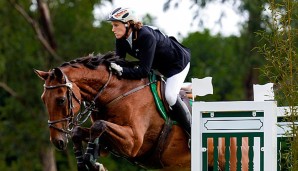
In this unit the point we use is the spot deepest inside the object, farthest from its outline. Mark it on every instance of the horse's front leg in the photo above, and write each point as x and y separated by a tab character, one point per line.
78	135
123	138
93	150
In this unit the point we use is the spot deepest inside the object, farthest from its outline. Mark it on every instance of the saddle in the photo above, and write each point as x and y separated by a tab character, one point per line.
158	91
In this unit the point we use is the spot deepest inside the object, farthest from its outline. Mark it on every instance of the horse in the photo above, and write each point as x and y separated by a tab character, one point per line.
124	116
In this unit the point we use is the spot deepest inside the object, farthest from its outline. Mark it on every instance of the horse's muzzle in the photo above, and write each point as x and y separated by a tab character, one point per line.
60	144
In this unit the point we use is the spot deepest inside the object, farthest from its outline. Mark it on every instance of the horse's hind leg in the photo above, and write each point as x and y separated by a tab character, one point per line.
78	136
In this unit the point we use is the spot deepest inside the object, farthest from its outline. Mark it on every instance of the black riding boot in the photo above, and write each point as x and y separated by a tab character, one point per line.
182	114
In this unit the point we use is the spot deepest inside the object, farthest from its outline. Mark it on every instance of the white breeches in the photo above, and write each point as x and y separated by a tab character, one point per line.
174	84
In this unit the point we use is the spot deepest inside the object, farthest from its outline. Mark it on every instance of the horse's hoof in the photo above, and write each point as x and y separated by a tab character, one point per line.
90	162
82	167
100	167
87	158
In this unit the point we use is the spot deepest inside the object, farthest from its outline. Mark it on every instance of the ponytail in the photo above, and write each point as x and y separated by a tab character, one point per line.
135	27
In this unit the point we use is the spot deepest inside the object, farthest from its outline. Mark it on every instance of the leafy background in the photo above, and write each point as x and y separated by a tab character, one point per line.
29	40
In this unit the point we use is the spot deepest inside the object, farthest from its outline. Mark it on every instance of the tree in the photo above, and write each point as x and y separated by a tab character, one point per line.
39	34
251	59
280	51
220	58
18	95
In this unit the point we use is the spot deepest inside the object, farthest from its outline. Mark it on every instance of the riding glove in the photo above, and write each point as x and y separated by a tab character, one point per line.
117	68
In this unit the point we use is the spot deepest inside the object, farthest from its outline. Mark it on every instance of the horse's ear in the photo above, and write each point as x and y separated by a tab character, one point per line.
42	74
59	75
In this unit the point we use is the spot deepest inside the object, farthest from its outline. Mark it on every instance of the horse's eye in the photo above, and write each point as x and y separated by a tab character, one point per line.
61	101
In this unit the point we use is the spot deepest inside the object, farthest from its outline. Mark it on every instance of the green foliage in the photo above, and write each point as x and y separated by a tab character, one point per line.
18	56
280	52
218	57
23	119
74	31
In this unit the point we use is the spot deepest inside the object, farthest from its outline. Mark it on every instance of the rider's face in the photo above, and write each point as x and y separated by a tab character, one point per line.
118	28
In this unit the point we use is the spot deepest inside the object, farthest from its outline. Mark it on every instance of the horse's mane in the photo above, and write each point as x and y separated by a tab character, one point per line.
93	62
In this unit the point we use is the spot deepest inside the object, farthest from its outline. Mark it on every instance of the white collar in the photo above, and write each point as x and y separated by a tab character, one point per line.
129	40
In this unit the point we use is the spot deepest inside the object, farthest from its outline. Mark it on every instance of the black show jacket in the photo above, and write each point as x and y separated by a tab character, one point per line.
154	51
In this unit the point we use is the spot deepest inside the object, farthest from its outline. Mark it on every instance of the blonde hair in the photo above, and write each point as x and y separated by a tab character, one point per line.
136	26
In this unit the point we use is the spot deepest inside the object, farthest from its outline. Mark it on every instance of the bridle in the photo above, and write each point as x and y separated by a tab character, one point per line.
82	116
70	118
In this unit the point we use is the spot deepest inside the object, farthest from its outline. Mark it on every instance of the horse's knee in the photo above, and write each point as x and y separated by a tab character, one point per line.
98	128
76	134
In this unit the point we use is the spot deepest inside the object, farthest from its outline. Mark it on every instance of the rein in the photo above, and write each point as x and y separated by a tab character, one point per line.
128	93
83	116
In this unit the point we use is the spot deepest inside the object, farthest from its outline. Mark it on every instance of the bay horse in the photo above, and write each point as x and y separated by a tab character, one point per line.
125	119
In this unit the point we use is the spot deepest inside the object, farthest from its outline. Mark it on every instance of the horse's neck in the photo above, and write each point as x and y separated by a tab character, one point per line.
89	81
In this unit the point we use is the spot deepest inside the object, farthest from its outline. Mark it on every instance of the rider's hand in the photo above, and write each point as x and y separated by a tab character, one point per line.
117	68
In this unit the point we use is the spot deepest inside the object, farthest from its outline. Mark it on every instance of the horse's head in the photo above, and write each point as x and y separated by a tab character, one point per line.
62	96
62	100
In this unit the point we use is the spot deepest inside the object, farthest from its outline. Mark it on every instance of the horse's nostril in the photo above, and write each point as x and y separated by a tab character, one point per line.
61	144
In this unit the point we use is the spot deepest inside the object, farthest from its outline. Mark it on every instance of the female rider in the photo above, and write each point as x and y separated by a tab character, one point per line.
154	50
